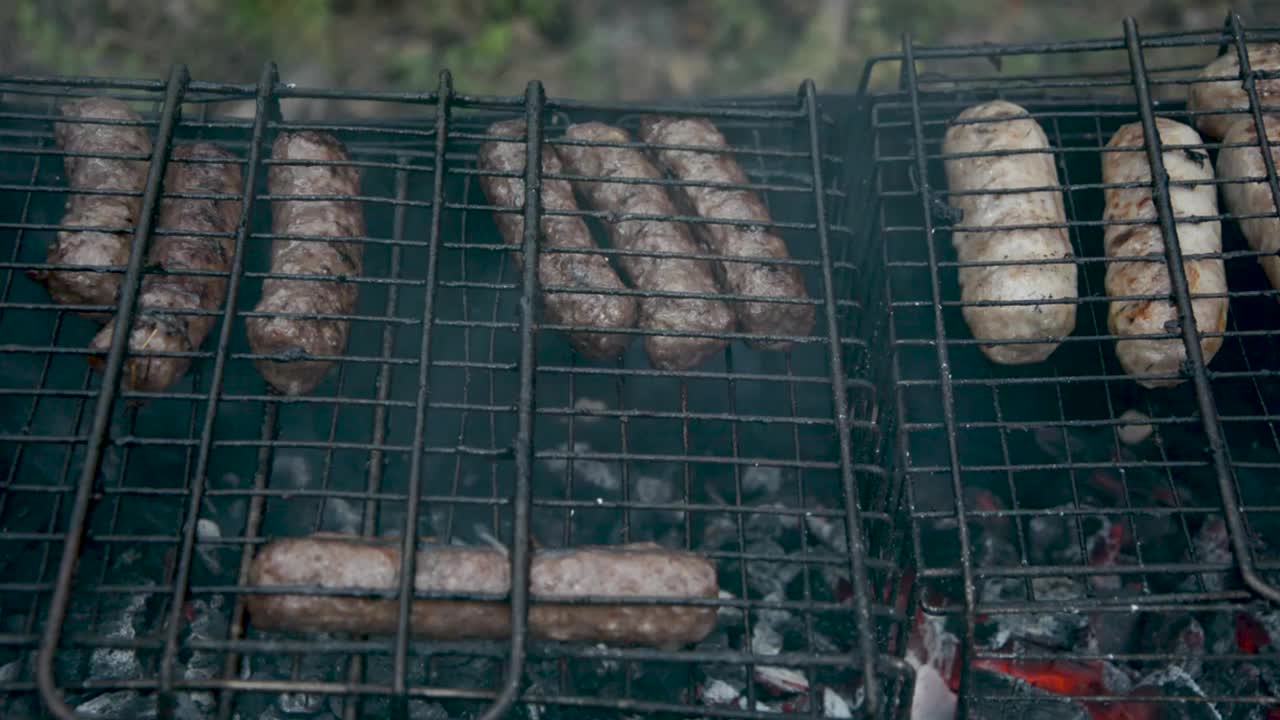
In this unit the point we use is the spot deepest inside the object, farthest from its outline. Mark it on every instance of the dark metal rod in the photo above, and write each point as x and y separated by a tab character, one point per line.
1239	532
196	498
853	513
101	423
948	392
1187	321
409	541
252	523
373	486
535	98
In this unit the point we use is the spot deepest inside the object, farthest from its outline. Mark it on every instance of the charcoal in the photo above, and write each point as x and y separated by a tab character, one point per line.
118	705
997	696
1174	682
770	578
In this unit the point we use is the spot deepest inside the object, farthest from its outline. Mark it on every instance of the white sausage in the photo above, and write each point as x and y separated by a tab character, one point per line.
1230	95
1253	198
1162	356
1003	283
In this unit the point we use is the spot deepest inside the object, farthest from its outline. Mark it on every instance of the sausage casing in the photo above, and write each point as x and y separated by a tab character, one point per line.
987	165
636	571
734	242
1253	198
1229	95
160	324
576	270
1126	206
651	273
105	248
311	341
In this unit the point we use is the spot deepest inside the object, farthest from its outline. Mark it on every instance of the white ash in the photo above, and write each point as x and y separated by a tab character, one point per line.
342	516
782	680
931	698
118	705
1116	680
118	663
764	479
835	706
728	615
208	623
770	523
300	703
719	692
293	469
207	531
598	473
829	532
769	577
584	407
765	639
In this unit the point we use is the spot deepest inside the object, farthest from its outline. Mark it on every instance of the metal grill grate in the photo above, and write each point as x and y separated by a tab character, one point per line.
1059	547
129	519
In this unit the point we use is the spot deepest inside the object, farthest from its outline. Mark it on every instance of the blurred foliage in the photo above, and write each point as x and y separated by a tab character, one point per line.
584	48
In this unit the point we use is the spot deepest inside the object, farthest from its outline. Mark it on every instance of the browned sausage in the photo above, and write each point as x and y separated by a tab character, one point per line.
734	242
304	346
104	248
161	323
627	571
653	274
1186	162
576	270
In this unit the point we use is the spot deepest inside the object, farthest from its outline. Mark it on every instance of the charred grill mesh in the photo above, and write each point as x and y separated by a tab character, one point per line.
127	520
1034	523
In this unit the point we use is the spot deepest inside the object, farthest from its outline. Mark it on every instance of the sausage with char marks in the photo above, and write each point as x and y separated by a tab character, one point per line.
303	346
576	270
1228	94
674	351
1253	198
162	322
734	242
1185	162
116	214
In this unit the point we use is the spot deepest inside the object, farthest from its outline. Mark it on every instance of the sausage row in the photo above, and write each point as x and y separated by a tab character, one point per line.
1002	179
684	323
299	325
636	588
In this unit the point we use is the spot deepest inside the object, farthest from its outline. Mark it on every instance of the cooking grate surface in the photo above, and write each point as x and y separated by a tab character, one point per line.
1056	554
127	520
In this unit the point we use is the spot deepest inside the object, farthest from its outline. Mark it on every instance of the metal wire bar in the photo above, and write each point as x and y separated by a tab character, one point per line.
409	544
1186	319
948	392
49	691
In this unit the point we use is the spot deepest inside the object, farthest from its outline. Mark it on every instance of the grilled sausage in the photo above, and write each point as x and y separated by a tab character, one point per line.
104	248
734	242
1163	356
1010	128
303	346
1228	95
648	273
162	323
1253	198
579	271
627	571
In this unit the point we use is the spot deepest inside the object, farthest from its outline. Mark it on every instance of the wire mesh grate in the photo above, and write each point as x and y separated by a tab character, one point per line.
1080	543
130	518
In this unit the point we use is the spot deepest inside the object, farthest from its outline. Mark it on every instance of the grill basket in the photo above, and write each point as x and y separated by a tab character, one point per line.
129	519
1073	535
